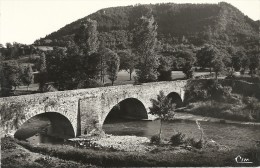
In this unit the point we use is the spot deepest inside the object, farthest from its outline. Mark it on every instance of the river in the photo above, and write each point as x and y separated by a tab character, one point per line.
227	134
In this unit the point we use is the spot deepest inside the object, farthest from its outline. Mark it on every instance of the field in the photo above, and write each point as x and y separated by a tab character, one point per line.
123	78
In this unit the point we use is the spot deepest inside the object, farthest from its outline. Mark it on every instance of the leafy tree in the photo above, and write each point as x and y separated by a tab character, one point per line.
218	65
254	63
189	60
87	37
164	69
144	42
28	76
244	63
11	75
42	62
238	60
205	56
127	61
103	58
162	107
113	63
92	36
61	69
42	73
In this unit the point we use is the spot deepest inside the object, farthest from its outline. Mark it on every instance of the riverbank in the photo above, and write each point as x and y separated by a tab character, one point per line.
186	115
43	155
14	155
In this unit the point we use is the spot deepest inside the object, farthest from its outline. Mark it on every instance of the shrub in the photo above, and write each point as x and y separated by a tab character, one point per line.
89	83
177	139
196	144
155	139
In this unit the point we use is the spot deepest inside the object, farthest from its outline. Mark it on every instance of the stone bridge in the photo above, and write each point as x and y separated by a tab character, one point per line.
83	108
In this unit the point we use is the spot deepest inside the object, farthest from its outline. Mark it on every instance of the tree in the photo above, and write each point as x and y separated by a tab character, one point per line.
244	63
61	69
11	75
205	56
254	63
43	72
87	37
189	60
144	42
92	37
218	65
103	59
113	63
28	76
163	108
127	61
164	69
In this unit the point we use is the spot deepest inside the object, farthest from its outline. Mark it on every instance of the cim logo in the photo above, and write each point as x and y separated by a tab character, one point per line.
240	159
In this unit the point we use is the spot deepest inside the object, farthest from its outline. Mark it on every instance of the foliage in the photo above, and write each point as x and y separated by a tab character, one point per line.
218	64
43	71
113	63
164	69
239	60
226	24
162	107
155	139
254	106
144	42
10	76
127	61
56	67
27	76
86	36
211	57
189	60
177	139
192	142
228	111
89	83
254	63
12	114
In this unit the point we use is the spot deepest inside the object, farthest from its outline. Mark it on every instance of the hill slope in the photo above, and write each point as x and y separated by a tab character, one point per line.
197	23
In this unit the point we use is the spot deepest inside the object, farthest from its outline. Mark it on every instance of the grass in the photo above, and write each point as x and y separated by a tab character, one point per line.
160	158
220	110
16	156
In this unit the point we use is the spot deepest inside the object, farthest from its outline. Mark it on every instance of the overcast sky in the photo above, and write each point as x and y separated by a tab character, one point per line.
24	21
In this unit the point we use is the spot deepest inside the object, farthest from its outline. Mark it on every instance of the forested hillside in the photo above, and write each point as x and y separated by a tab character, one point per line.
195	24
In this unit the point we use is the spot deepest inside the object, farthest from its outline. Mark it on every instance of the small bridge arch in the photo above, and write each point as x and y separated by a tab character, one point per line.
176	99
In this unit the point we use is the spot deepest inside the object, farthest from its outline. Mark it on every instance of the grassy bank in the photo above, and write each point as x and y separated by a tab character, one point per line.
158	157
226	111
16	156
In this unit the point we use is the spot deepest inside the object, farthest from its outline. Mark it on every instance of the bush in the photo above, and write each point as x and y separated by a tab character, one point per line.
196	144
89	83
177	139
155	139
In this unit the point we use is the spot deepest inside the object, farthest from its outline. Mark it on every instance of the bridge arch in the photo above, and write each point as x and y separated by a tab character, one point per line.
175	98
50	123
129	108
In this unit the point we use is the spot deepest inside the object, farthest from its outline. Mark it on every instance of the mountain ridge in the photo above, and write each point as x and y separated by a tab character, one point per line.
199	23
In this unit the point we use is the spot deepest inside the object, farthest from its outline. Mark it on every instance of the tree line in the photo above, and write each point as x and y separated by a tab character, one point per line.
86	60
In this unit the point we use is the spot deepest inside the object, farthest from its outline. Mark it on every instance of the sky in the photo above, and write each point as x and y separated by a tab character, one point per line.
24	21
